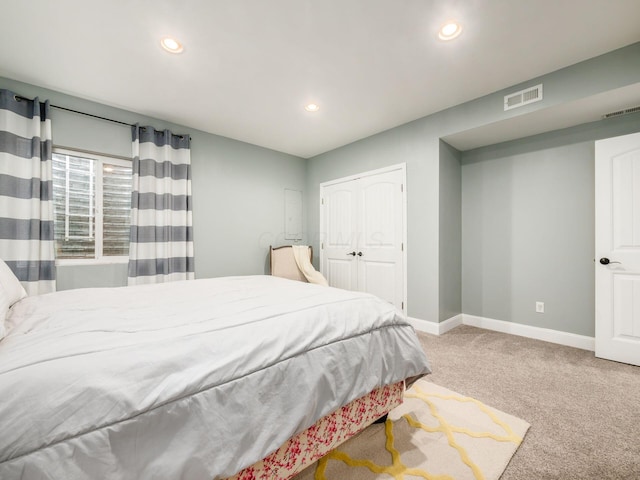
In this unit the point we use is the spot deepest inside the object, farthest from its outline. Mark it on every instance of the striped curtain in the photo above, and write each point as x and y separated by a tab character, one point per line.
26	193
161	248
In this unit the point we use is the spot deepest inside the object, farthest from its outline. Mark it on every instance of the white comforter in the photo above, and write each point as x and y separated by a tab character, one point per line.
189	380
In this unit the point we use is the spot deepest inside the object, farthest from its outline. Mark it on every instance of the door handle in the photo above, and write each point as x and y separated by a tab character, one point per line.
353	254
359	254
606	261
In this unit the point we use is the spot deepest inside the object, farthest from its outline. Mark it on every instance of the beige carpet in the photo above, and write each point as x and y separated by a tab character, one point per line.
435	434
583	410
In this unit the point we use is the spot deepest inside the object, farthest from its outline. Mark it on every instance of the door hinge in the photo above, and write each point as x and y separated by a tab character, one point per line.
402	247
402	305
402	187
322	201
322	246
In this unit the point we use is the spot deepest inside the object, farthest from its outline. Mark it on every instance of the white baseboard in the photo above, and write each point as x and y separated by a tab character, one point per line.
424	325
435	328
545	334
538	333
450	324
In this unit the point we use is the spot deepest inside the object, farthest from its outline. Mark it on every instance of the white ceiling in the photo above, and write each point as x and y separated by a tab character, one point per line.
250	66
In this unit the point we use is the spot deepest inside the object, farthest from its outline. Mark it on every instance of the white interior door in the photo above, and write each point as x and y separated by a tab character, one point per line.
618	249
362	220
380	245
338	253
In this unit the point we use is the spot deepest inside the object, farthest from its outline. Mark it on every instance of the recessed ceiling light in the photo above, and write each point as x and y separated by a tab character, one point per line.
449	31
312	107
171	45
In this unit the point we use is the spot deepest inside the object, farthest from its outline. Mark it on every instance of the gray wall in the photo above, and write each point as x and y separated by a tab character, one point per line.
528	227
450	247
238	189
418	145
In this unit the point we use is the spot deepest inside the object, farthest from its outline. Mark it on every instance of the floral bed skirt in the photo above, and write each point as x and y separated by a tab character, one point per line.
319	439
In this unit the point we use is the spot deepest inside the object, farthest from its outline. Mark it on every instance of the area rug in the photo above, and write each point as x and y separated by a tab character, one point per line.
436	434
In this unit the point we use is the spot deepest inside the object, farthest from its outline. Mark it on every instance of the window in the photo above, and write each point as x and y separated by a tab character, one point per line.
92	203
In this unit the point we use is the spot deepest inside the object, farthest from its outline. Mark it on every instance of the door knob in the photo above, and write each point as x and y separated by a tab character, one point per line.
353	254
359	254
606	261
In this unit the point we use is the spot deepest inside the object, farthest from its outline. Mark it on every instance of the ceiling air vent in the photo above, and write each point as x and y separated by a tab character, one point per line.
625	111
523	97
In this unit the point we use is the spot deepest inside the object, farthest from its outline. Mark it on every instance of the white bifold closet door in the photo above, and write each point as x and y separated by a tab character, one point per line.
363	243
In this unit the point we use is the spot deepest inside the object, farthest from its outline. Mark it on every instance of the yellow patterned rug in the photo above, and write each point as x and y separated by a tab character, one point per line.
436	434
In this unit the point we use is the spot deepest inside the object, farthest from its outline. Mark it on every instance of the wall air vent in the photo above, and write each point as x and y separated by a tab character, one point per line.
523	97
625	111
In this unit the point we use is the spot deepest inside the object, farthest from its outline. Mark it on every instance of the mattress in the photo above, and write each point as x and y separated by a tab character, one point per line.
195	379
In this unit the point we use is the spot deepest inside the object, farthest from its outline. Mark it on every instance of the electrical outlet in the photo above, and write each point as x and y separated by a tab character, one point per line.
539	307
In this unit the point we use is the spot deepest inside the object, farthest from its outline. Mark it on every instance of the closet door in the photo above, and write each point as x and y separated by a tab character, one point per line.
380	246
362	223
340	215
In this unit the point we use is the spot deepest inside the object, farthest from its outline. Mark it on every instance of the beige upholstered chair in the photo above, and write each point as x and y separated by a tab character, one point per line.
283	264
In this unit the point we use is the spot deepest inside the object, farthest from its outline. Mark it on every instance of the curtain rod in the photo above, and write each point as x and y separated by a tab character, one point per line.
20	97
91	115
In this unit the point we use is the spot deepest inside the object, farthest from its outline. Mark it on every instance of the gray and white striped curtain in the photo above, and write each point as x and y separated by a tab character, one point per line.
26	193
161	248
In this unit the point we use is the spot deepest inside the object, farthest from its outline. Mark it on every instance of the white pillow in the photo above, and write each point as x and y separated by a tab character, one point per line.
10	292
12	286
4	308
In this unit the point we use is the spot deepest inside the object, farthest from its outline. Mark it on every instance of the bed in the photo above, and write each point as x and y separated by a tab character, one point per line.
200	379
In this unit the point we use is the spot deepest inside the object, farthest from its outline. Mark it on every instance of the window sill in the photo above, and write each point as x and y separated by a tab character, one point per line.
69	262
